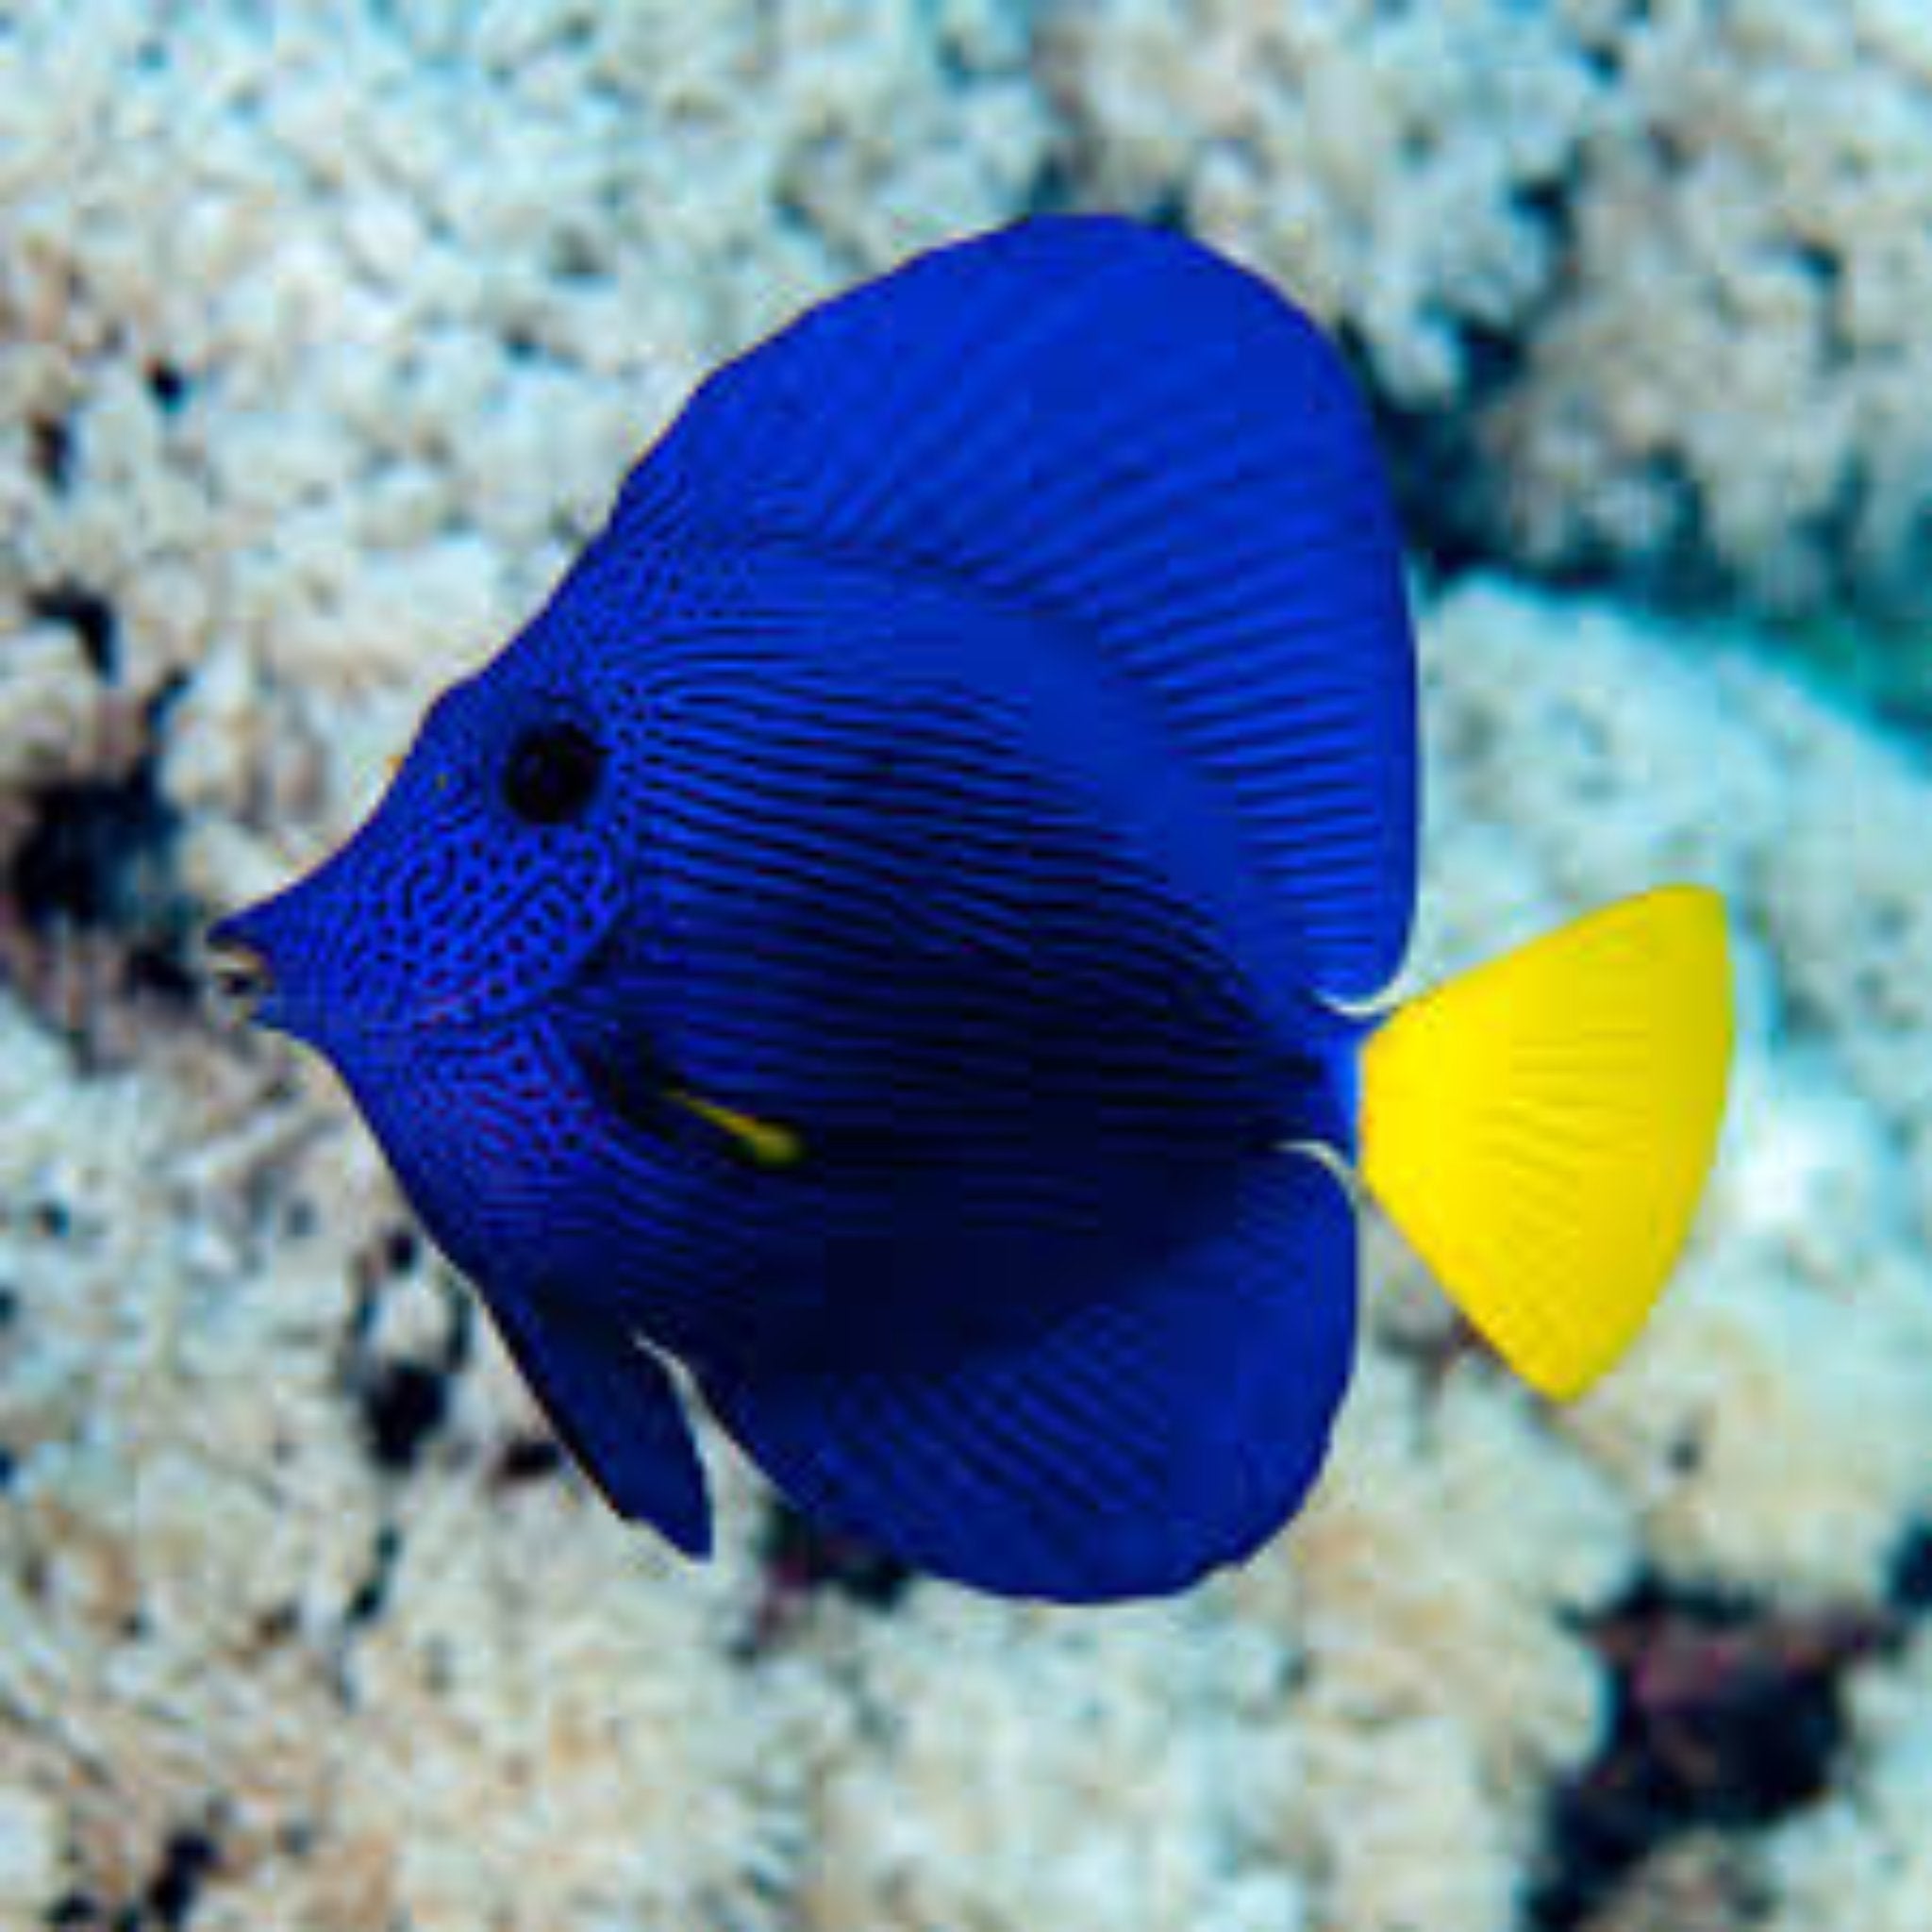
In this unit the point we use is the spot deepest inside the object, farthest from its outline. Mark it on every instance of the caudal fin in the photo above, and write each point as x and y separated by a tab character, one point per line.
1541	1129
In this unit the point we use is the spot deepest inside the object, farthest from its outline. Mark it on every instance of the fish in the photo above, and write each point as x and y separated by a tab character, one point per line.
900	949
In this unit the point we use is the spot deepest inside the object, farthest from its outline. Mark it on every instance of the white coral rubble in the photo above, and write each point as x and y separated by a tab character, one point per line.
1736	368
1385	164
317	353
1659	272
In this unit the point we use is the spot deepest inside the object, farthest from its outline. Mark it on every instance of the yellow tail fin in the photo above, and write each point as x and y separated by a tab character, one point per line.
1541	1129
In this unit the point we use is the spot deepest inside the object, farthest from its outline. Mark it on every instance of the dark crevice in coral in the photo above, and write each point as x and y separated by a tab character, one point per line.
1055	189
1437	467
402	1400
94	919
90	616
90	859
527	1459
1727	1717
402	1247
1679	579
189	1859
403	1405
1446	494
169	385
802	1560
369	1597
811	1557
1551	204
163	973
363	1606
278	1625
1909	1590
50	442
1605	60
1432	469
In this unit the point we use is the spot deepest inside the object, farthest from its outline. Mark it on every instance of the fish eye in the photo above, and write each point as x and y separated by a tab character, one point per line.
552	774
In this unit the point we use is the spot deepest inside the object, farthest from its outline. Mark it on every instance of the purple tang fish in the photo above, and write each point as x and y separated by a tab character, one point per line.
906	933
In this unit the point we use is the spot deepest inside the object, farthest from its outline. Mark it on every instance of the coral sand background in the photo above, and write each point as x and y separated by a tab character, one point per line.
324	334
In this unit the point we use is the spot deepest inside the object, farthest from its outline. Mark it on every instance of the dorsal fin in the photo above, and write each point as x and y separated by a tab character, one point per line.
1149	449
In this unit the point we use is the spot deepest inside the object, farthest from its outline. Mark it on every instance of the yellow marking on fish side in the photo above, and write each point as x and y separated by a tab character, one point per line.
769	1144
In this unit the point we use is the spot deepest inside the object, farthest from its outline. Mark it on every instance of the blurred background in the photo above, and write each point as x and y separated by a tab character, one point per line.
326	332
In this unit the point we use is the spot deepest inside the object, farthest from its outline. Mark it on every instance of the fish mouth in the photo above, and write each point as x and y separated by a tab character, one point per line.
238	970
238	974
243	986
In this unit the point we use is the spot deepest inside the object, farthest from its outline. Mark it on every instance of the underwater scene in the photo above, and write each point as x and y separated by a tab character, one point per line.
942	1215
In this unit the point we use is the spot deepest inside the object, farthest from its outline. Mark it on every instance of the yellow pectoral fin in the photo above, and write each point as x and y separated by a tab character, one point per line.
768	1144
1542	1129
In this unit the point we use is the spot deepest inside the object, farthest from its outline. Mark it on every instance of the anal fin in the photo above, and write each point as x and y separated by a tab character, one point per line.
1126	1450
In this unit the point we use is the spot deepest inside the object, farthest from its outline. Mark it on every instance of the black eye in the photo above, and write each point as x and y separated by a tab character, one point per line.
552	774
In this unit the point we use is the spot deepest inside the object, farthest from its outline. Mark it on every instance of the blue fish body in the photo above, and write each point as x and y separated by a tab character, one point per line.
889	934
